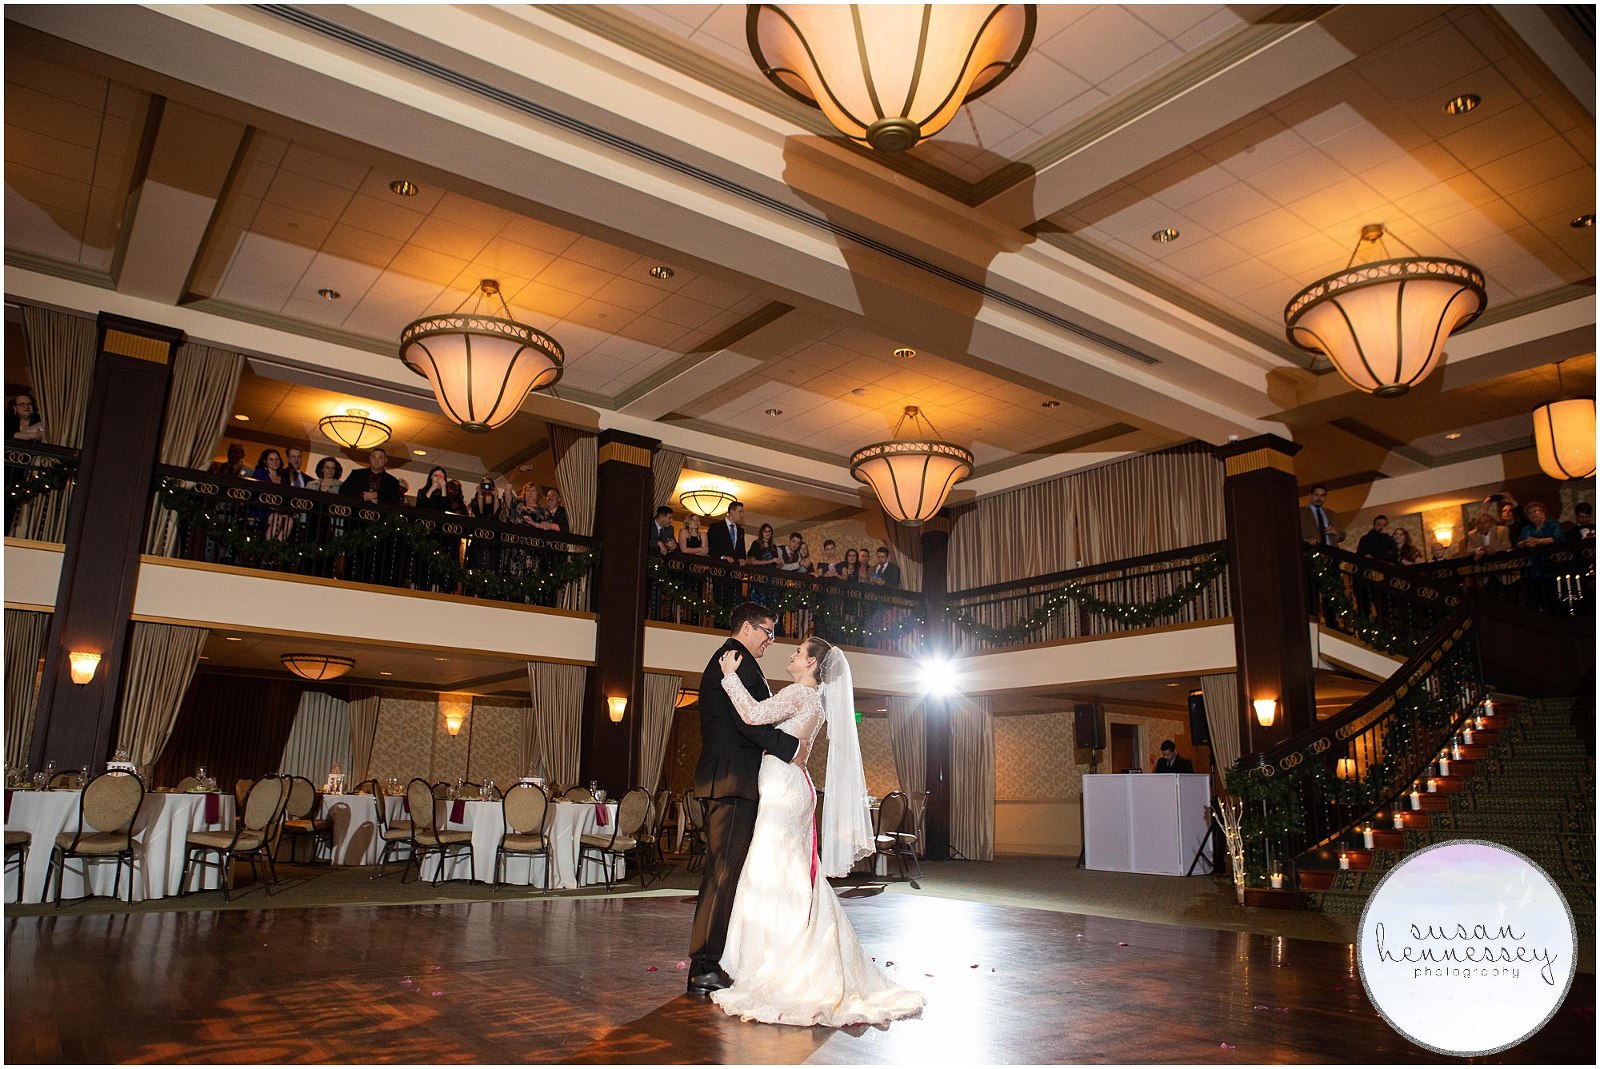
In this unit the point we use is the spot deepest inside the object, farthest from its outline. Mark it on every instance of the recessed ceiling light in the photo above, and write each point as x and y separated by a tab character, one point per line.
386	673
401	188
662	272
1453	435
1462	104
203	657
1163	236
419	452
438	658
233	638
774	411
905	353
241	417
860	391
1583	222
1049	404
329	295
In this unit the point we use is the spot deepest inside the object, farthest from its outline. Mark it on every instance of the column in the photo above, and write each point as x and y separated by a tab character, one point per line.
936	820
624	503
76	723
1268	589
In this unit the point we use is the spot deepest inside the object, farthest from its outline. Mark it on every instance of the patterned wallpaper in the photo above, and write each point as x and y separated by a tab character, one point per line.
403	745
412	740
1034	758
1156	725
496	739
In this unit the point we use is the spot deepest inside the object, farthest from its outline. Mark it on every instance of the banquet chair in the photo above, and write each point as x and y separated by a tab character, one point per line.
253	836
892	839
649	836
241	790
524	807
632	812
578	794
67	780
186	784
426	836
694	812
18	843
106	812
300	817
440	790
660	810
394	834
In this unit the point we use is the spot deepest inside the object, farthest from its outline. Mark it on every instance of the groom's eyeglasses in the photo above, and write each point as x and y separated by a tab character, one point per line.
772	635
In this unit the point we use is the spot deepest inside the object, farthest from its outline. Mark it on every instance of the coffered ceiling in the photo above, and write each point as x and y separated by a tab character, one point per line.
227	169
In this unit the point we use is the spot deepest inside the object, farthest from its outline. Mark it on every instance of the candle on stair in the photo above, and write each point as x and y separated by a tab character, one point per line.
1433	785
1416	799
1276	879
1344	860
1366	836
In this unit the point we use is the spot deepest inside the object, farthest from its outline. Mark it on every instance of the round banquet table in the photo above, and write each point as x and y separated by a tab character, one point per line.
564	823
355	826
159	834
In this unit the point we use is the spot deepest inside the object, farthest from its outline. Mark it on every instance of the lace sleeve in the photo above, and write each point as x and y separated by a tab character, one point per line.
774	710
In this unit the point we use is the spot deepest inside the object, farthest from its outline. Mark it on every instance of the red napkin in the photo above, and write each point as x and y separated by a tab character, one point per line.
9	793
458	811
213	808
601	817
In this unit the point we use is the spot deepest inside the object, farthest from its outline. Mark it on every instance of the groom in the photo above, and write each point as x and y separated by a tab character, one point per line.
726	779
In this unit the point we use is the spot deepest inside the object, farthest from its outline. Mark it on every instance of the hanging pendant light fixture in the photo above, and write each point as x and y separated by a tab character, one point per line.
912	476
481	366
355	429
1563	435
706	501
317	666
888	75
1384	323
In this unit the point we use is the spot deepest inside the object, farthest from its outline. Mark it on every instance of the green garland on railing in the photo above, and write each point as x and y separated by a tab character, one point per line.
1328	582
1135	613
675	592
434	551
34	481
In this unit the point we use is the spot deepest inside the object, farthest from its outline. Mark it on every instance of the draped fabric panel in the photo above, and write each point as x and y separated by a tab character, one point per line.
363	734
905	543
1152	503
1222	717
656	710
235	727
26	634
1015	535
908	738
577	471
319	739
204	382
161	661
665	467
557	691
972	778
61	352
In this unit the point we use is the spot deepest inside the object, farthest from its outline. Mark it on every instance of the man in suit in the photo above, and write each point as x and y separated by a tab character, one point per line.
661	536
725	542
1170	761
886	572
381	563
727	780
1318	525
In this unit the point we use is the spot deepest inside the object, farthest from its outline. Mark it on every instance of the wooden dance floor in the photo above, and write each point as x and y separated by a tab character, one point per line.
598	980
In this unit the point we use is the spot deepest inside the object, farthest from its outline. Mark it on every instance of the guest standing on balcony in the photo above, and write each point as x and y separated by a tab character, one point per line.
555	512
293	461
1318	525
1539	533
435	497
22	420
329	527
827	565
726	542
327	479
694	537
662	537
276	524
530	511
373	485
1486	537
234	466
1409	554
1377	545
850	569
458	503
763	553
1583	522
789	555
886	572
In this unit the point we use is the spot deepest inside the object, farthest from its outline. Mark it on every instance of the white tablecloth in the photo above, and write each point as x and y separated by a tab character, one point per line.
355	826
159	832
564	823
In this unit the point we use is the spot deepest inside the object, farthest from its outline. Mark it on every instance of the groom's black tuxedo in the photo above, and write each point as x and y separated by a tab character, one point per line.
727	778
720	542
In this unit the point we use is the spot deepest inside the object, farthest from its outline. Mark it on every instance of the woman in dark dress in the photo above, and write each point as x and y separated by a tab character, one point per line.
22	420
763	553
276	524
435	497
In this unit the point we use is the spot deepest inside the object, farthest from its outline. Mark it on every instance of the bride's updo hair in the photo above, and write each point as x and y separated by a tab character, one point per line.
818	648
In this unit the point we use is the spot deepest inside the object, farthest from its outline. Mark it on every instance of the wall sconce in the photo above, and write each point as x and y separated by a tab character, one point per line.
618	706
1443	535
83	666
1266	711
1346	768
455	708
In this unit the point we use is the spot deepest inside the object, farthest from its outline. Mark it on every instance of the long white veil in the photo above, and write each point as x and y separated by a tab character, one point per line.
846	832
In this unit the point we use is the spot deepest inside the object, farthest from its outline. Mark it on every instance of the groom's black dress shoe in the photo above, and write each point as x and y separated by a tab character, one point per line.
707	982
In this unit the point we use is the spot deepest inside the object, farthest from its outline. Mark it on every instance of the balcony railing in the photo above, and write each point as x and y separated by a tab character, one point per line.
250	524
39	483
1549	579
1177	587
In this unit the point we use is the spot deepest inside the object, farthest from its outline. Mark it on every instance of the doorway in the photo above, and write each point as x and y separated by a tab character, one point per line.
1124	747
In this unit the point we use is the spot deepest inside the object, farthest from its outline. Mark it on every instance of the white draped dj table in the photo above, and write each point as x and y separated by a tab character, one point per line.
159	834
564	823
1145	823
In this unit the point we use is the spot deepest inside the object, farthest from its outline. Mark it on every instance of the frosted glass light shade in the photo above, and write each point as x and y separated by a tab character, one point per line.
911	478
1563	436
481	367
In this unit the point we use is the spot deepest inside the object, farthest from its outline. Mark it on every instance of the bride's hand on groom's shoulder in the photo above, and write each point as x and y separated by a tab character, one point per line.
729	662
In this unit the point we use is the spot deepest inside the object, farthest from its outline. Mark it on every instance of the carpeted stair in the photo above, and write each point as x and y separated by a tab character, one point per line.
1528	784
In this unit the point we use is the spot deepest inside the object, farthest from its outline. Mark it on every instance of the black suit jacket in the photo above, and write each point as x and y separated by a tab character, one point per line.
1179	764
730	749
719	546
360	481
891	574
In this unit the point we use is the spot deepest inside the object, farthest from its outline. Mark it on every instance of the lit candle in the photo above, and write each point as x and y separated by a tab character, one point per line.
1366	836
1466	736
1455	751
1399	821
1416	799
1444	766
1433	785
1344	860
1276	880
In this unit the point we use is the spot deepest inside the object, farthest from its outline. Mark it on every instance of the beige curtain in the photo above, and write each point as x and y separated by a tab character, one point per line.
972	778
1152	503
1222	717
204	381
161	661
319	739
26	634
665	467
1014	535
906	545
61	351
363	734
908	739
576	471
656	710
557	719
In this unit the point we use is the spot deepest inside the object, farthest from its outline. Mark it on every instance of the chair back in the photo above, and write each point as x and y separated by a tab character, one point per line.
659	807
420	797
263	804
578	794
633	812
110	802
891	812
440	790
188	783
694	809
366	786
63	779
524	806
302	798
241	791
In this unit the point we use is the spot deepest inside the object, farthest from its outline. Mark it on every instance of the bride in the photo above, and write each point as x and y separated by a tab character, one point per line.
791	951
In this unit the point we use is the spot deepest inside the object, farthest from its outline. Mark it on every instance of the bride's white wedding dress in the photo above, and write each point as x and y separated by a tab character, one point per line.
792	953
